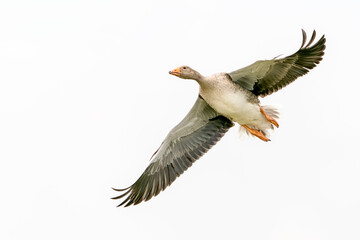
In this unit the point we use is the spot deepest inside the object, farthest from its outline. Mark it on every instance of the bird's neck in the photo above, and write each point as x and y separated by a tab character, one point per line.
198	77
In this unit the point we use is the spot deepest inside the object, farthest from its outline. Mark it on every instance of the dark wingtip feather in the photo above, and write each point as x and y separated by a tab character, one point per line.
311	39
120	190
122	195
304	38
123	202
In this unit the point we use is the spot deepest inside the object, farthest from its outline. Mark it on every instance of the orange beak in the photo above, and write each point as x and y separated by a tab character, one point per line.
175	72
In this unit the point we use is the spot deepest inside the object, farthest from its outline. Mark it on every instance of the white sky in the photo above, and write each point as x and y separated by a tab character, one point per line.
86	98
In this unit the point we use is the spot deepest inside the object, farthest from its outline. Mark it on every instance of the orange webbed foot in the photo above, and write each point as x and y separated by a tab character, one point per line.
256	133
269	118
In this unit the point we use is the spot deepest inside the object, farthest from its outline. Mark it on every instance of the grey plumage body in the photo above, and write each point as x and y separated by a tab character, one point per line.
224	98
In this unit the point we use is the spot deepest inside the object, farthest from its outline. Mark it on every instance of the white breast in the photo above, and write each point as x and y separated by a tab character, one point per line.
229	100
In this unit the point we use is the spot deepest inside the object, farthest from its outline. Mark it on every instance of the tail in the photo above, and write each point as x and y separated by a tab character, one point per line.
272	111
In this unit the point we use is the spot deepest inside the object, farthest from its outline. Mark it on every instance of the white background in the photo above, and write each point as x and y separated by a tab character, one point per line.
86	98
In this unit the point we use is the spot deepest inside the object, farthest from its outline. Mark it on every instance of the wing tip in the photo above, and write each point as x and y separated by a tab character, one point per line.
320	42
120	189
127	201
304	38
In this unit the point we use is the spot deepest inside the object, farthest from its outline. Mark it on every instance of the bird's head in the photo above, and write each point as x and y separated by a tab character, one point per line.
185	72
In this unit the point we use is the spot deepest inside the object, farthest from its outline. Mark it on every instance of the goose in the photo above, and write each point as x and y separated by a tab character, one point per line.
224	99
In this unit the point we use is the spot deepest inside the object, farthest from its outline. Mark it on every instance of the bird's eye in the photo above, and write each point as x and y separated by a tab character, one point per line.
184	67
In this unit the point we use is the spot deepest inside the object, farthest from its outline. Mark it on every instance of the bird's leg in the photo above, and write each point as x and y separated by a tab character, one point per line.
269	118
256	133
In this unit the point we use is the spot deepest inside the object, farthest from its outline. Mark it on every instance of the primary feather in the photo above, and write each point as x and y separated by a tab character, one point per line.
265	77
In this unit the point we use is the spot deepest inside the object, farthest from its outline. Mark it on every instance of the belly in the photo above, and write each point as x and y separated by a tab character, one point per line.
235	106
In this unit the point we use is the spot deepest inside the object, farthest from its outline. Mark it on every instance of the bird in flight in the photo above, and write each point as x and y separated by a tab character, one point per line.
224	99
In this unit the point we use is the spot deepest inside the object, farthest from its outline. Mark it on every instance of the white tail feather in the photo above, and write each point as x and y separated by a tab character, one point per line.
272	111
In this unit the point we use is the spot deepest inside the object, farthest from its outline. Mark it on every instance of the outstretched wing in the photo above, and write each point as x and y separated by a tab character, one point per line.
201	129
268	76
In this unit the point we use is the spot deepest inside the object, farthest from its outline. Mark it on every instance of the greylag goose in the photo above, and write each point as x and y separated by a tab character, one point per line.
224	98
